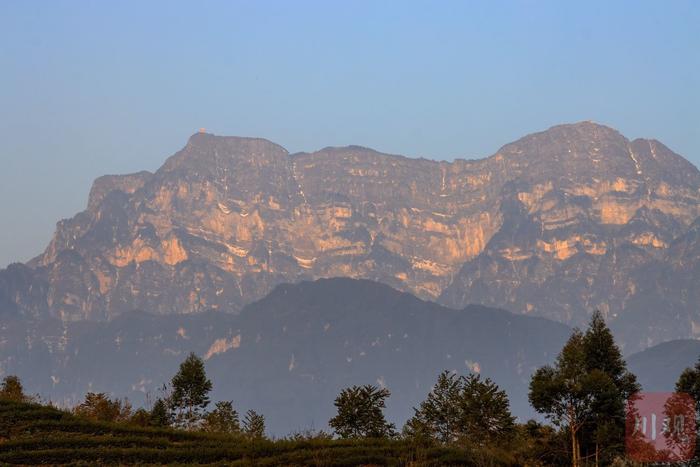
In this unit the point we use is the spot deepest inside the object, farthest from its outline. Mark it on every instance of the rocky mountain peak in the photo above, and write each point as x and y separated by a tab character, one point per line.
205	150
575	153
586	150
569	135
556	223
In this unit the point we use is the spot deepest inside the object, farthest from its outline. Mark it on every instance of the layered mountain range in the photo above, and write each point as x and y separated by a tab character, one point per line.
556	224
289	354
223	251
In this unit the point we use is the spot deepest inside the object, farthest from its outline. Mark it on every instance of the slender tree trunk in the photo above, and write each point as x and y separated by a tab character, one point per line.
575	454
596	454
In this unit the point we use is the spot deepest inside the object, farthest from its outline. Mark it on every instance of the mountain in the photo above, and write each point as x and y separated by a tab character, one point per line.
658	368
289	354
556	224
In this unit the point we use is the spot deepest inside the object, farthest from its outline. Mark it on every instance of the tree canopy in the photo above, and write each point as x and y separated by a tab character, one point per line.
12	389
254	425
586	390
689	383
361	413
191	389
223	419
99	406
468	408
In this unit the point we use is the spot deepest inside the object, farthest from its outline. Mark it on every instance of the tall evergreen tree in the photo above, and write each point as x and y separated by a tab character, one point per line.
12	389
438	416
586	391
254	425
467	408
485	416
602	353
160	416
361	413
562	392
190	394
223	419
603	438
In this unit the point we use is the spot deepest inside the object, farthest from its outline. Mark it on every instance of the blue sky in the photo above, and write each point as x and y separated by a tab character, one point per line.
88	88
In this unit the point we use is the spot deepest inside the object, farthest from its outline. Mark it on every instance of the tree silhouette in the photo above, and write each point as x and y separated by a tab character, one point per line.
484	411
254	425
689	383
190	394
466	408
438	416
586	391
98	406
361	413
223	419
12	389
160	416
561	392
607	427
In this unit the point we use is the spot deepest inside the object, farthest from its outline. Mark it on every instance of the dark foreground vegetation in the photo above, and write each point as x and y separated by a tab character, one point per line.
464	420
33	434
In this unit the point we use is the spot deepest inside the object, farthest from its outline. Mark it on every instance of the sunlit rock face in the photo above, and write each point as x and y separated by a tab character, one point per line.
589	225
555	224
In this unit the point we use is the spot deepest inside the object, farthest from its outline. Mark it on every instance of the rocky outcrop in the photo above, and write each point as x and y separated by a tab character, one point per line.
555	224
597	234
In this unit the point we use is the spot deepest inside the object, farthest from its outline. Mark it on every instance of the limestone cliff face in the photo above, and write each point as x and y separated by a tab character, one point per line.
591	224
555	224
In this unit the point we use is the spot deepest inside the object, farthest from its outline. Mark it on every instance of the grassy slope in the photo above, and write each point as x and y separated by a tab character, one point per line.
34	434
